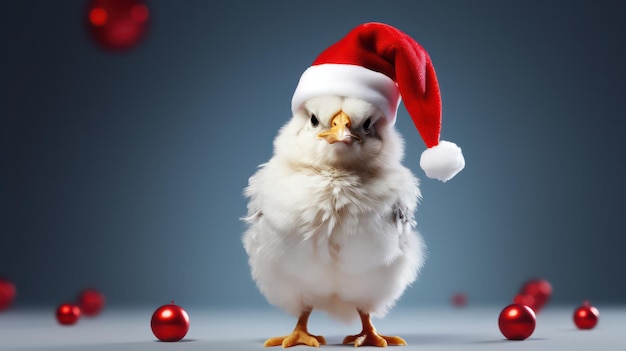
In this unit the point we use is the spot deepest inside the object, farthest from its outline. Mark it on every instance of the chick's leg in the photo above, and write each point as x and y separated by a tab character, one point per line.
370	337
299	336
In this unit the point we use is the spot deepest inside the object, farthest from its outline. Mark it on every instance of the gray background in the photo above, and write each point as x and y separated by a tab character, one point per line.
125	171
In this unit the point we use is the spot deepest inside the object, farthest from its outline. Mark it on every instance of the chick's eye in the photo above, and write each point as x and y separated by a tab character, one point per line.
314	121
367	124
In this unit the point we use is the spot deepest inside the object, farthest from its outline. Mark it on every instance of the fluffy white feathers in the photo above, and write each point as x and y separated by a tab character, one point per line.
331	225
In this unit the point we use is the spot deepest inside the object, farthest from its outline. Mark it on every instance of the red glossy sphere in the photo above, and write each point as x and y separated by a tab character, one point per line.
170	323
540	290
517	322
586	316
117	24
91	302
7	294
68	314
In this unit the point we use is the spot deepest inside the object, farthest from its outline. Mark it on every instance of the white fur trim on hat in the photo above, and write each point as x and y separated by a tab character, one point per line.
350	81
442	161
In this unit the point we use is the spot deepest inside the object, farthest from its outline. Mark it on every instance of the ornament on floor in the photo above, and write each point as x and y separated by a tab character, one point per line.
67	314
7	294
459	300
170	322
523	299
517	322
586	316
117	25
536	293
91	302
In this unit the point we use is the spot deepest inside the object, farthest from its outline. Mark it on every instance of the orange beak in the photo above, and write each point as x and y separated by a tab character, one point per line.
339	130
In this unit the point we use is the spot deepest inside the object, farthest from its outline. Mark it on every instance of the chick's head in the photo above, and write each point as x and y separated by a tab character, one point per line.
339	132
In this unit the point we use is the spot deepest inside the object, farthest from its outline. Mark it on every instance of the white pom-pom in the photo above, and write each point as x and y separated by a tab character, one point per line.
443	161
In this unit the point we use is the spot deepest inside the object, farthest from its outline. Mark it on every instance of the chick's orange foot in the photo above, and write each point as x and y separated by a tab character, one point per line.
370	337
299	336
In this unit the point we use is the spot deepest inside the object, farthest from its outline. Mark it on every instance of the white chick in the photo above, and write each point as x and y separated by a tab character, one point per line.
330	216
331	219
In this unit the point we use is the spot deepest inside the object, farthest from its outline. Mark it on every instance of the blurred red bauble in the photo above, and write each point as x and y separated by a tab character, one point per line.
459	299
91	302
523	299
7	294
68	314
169	323
586	316
540	290
117	25
517	322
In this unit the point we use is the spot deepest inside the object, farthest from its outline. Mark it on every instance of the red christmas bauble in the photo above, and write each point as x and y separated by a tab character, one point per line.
586	316
7	294
540	290
117	25
524	299
68	314
517	322
170	323
459	299
91	302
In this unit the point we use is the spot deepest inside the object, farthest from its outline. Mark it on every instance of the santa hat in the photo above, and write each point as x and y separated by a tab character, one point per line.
382	65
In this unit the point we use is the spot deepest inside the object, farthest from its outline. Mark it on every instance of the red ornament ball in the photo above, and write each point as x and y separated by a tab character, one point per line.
170	323
117	25
91	302
459	300
7	294
524	299
517	322
540	290
68	314
586	316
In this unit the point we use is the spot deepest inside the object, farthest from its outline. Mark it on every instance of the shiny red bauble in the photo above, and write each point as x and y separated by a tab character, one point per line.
170	323
117	25
540	290
586	316
517	322
7	294
91	302
68	314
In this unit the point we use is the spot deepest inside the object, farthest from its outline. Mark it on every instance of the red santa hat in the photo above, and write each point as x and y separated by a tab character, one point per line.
382	65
